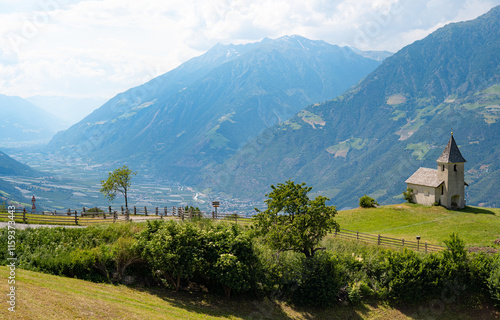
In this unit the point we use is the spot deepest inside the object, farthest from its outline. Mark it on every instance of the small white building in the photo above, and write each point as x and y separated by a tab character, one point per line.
446	185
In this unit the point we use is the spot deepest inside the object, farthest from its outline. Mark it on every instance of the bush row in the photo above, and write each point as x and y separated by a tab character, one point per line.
228	259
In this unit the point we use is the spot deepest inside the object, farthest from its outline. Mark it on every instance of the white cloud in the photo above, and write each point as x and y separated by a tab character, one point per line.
100	48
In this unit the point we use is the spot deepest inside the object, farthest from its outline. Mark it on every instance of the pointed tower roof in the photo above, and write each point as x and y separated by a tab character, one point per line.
451	153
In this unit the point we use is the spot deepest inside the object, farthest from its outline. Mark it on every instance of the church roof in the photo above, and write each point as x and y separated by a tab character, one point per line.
425	177
451	153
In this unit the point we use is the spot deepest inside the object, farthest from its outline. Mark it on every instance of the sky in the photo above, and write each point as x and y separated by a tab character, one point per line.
97	49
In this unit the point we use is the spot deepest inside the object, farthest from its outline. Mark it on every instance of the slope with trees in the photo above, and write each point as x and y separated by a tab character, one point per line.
399	118
202	112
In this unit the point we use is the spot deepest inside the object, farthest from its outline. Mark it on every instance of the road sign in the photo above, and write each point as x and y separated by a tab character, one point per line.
215	204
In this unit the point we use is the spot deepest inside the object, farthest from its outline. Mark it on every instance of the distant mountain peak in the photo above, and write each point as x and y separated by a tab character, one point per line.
200	113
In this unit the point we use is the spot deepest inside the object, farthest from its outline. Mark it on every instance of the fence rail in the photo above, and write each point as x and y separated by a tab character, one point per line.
110	215
387	241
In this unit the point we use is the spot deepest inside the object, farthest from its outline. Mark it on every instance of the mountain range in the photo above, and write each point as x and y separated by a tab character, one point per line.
371	138
242	117
24	124
202	112
11	167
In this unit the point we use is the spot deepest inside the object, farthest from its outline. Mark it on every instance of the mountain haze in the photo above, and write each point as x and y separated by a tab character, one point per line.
23	123
370	139
202	112
11	167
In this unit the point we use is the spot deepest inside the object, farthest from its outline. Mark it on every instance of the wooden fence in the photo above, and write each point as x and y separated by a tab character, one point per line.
388	242
86	216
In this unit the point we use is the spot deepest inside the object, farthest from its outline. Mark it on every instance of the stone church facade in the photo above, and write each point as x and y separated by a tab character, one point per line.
446	185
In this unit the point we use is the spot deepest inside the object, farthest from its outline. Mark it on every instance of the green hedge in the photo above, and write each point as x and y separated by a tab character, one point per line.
226	259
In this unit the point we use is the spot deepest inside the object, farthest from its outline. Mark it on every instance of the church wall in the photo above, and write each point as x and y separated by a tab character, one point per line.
423	194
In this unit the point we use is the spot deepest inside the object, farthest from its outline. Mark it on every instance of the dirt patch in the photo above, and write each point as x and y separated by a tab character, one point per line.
483	249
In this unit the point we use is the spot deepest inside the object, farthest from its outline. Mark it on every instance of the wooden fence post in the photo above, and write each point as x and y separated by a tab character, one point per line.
122	210
165	211
426	247
357	235
403	242
127	216
24	215
83	211
114	217
76	218
69	212
213	215
156	211
173	211
145	210
109	208
181	209
135	210
191	213
378	240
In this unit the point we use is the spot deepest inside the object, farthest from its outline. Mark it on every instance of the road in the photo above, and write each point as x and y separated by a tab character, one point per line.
23	226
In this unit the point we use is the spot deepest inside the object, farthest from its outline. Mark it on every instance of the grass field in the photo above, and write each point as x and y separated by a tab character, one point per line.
476	226
42	296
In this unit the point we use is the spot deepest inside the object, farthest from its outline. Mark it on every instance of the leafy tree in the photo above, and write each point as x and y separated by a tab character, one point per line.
294	222
367	202
118	181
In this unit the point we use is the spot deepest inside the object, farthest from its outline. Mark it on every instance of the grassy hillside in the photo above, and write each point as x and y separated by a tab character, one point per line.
476	226
42	296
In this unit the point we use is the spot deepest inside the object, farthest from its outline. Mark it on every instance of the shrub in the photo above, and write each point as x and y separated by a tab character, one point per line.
412	278
207	253
320	282
367	202
494	282
455	262
232	274
408	195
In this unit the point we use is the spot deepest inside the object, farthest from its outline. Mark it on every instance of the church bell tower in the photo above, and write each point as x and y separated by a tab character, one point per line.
451	166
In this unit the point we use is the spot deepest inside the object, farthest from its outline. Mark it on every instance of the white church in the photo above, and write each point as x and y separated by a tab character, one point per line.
446	185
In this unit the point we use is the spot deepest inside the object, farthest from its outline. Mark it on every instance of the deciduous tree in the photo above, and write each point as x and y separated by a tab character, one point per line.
292	221
118	181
